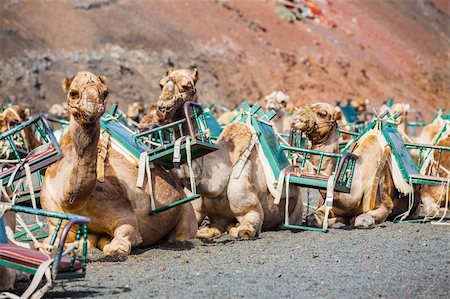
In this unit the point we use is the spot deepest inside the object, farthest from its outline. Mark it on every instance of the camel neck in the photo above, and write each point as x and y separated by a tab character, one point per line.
85	138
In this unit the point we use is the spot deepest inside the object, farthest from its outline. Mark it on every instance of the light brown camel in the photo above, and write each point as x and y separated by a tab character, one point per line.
319	123
363	207
434	197
8	275
240	204
60	111
136	110
118	209
278	102
153	117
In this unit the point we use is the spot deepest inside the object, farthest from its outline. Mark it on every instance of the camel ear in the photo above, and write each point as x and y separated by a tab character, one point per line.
102	79
195	75
169	71
337	113
26	112
66	84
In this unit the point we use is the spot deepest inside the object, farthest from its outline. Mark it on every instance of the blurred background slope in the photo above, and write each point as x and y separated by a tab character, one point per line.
243	49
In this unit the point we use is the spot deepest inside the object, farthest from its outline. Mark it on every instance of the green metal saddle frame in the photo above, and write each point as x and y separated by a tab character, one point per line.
29	260
401	150
38	159
276	155
159	142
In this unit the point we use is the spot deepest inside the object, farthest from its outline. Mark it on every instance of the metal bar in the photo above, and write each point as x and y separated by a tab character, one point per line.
302	227
174	204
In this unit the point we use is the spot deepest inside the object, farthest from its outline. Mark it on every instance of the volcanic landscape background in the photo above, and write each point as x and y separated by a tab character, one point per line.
244	50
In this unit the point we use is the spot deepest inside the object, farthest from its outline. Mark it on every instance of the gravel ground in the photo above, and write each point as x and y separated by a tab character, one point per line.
392	260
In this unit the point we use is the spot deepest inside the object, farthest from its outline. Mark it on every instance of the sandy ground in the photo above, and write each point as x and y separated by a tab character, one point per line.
407	260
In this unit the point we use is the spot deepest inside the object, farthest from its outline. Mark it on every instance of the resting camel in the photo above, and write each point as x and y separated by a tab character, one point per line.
136	110
363	206
278	101
8	275
59	111
118	209
241	205
434	197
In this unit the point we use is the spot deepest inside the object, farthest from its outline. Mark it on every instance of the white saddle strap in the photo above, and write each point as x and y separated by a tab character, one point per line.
145	169
328	200
177	159
286	210
31	188
239	166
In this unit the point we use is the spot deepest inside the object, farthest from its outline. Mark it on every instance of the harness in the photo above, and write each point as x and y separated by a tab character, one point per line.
177	95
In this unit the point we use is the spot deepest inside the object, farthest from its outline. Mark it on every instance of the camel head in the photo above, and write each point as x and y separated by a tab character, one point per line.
277	101
316	120
136	110
86	96
401	109
177	87
11	114
59	111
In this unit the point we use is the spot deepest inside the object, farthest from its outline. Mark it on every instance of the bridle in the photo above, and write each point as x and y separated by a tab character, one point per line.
178	95
90	83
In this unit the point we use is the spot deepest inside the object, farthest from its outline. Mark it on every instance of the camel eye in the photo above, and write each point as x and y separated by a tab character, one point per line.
322	113
74	94
161	86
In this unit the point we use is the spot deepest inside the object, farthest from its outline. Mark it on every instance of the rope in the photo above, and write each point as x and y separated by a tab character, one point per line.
328	200
410	204
439	222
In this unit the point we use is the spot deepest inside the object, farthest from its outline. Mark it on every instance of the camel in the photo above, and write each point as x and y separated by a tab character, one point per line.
278	101
319	123
241	205
119	210
152	118
8	275
59	111
136	111
434	197
363	206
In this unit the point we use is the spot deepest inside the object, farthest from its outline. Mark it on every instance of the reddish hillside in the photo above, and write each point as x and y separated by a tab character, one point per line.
243	49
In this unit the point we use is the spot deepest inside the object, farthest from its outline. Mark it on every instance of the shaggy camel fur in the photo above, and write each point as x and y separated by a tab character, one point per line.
242	205
118	209
278	101
136	111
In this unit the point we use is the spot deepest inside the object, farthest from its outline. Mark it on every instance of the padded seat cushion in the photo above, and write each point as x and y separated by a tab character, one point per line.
35	157
309	175
31	258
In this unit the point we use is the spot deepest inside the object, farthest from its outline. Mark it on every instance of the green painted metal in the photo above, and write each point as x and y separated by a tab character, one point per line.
72	219
159	142
302	227
174	204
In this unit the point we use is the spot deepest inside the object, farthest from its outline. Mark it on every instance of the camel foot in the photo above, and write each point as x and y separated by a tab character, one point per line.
431	208
209	231
243	231
117	247
102	242
313	220
364	221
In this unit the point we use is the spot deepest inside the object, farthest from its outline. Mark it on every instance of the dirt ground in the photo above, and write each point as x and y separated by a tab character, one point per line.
390	261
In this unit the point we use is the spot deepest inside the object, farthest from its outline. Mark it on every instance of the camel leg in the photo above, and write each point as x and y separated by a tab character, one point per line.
296	216
126	236
186	228
378	215
103	241
316	219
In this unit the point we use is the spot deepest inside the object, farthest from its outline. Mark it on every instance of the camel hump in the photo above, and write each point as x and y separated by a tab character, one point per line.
237	137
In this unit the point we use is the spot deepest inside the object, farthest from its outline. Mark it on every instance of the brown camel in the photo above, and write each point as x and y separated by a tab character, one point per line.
118	209
278	102
363	206
240	204
434	197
